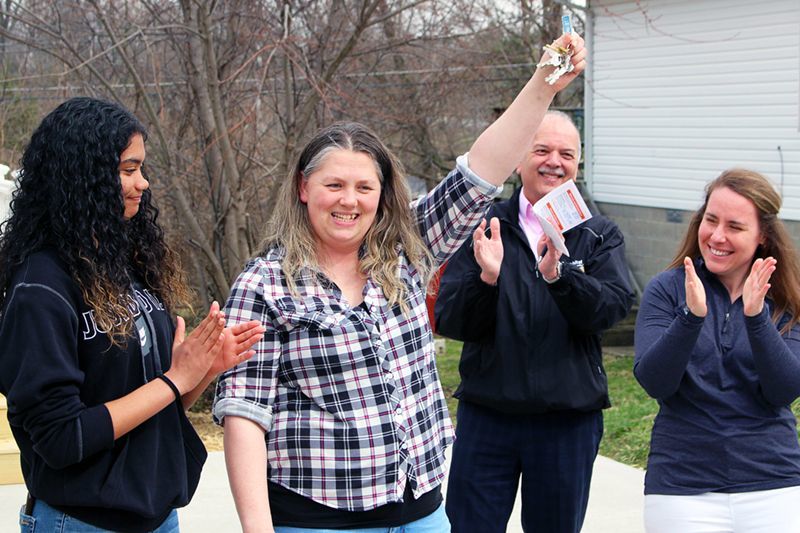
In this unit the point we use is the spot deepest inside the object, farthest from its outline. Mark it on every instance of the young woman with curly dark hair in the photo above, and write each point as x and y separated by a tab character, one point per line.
90	361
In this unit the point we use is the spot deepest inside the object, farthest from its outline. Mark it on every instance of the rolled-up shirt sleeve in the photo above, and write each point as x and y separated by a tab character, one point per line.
448	214
248	389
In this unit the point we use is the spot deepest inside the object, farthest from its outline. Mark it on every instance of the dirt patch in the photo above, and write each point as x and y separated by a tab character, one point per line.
207	429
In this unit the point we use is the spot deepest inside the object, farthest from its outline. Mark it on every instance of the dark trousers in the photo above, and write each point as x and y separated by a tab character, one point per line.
554	453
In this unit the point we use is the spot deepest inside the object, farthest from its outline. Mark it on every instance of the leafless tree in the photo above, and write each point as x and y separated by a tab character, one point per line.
229	90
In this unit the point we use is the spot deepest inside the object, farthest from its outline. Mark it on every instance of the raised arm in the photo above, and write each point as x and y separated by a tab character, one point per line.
448	214
498	150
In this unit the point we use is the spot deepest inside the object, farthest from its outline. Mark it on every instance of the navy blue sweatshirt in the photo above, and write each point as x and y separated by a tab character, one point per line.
723	383
57	370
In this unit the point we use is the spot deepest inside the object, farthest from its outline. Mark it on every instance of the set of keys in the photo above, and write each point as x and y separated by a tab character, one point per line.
559	57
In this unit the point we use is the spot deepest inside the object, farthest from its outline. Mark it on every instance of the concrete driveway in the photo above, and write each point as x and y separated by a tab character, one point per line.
615	502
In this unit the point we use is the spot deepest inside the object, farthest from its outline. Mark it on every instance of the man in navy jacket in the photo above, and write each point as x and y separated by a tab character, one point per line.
532	379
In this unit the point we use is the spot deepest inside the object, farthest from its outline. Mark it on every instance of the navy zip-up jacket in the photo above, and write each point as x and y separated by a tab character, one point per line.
57	369
533	347
723	383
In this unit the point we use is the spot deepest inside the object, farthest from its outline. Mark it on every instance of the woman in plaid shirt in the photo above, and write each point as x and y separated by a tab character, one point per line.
344	389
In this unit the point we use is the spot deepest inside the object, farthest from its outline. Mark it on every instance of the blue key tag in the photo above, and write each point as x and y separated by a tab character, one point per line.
566	24
558	57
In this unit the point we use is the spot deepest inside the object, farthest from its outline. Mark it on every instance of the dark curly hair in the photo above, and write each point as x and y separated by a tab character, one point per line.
69	199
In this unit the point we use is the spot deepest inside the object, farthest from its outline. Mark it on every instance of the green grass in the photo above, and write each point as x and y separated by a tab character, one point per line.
447	365
627	423
629	420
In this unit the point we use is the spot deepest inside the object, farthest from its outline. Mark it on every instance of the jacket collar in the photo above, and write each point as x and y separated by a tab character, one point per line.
508	210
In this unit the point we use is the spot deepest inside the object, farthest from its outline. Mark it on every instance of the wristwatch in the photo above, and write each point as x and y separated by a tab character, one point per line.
558	274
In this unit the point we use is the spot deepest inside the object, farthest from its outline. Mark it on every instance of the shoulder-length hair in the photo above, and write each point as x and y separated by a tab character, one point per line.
394	227
785	281
69	199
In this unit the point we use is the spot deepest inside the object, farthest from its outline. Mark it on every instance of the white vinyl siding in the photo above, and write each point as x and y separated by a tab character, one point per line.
680	90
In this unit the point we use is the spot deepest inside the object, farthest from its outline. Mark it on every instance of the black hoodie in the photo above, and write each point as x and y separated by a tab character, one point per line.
57	370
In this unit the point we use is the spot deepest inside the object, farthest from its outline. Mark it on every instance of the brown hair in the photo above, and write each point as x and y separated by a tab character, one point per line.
785	281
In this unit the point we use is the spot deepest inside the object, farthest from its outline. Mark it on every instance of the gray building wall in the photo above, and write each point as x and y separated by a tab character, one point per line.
652	235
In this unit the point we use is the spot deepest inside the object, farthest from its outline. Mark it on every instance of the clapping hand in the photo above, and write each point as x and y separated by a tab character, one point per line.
488	251
695	292
236	344
210	348
194	354
548	264
757	285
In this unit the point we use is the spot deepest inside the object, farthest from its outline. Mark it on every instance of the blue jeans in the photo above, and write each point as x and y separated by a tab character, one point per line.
45	519
436	522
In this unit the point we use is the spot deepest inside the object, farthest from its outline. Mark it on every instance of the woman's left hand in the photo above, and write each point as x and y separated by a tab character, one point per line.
236	343
575	42
757	285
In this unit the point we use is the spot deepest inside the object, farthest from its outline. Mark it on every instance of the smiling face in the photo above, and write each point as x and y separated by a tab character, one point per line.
728	236
553	158
130	175
342	196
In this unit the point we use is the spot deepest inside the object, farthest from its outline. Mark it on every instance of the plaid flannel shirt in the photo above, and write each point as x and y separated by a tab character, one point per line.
350	398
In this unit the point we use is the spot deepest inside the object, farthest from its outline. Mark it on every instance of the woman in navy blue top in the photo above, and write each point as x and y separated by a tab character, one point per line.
718	345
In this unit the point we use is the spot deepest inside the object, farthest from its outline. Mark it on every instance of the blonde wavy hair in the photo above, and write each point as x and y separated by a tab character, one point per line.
393	230
785	281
